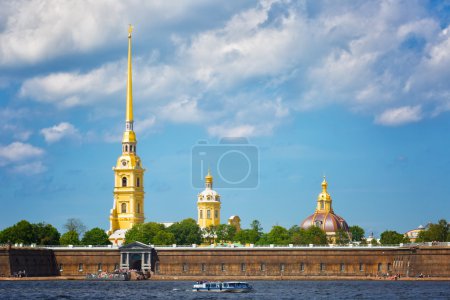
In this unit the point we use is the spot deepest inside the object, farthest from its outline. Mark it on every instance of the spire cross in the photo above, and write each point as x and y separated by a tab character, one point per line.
130	30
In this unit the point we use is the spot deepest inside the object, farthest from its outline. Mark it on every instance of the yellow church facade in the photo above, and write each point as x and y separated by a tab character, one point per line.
208	205
128	207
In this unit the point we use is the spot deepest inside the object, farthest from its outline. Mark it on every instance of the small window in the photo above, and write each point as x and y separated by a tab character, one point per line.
203	267
361	267
201	214
389	266
281	267
223	267
262	267
318	223
126	148
123	208
124	258
185	267
322	267
342	268
138	208
146	258
124	181
61	267
302	267
216	214
80	267
138	182
243	267
380	267
99	267
322	205
208	214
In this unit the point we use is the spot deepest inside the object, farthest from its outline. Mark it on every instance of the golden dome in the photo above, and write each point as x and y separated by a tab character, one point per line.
209	178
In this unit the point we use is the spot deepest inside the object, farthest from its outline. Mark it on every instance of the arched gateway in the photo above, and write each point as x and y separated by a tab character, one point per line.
137	256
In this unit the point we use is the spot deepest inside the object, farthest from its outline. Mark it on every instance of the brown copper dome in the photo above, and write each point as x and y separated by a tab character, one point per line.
327	221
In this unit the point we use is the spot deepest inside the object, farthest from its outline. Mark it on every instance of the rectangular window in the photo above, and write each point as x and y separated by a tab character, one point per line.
146	258
322	267
124	258
201	214
281	267
243	267
185	267
80	267
99	267
61	268
208	214
302	267
216	214
223	268
203	267
263	267
361	267
380	267
342	268
389	266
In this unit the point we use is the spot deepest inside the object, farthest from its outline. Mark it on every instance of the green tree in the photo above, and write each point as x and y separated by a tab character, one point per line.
342	237
391	237
143	233
186	232
315	235
374	242
225	233
70	238
278	235
45	234
435	232
76	225
357	233
21	232
164	238
246	236
95	236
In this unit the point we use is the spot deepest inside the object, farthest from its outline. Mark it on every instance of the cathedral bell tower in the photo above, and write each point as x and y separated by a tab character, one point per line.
208	205
128	207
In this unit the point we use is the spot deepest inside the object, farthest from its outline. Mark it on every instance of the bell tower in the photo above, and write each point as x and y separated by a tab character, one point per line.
208	205
128	207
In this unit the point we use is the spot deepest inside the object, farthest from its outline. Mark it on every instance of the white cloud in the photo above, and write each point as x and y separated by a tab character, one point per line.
18	151
60	131
400	116
32	168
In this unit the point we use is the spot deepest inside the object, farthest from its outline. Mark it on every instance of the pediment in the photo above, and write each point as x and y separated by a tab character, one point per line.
136	246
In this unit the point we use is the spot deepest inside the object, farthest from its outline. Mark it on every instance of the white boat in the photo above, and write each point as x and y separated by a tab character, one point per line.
222	287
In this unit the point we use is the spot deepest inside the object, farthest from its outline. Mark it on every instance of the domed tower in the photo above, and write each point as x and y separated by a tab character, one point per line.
324	216
208	205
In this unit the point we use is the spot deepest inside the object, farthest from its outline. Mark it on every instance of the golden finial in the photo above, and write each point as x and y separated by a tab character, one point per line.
130	30
208	177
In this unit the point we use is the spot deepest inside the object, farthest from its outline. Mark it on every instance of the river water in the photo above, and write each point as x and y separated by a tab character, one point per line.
262	290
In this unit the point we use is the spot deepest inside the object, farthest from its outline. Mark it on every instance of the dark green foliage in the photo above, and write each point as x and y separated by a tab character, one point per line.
95	236
342	237
164	237
21	232
45	234
186	232
225	233
357	233
70	238
390	237
435	232
278	235
143	233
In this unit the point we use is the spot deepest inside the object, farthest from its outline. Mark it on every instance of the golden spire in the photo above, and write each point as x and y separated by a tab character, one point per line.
324	185
209	178
129	113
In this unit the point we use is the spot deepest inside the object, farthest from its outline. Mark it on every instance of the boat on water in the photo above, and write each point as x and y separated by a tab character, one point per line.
222	287
105	276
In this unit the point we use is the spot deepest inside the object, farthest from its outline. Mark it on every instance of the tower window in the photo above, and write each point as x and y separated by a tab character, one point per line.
138	208
201	214
124	208
208	214
131	148
322	205
216	214
124	181
126	148
138	182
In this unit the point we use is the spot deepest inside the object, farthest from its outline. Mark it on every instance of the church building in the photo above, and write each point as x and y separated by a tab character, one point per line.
128	207
324	216
208	205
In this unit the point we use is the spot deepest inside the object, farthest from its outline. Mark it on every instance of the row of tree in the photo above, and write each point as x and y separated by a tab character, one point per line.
188	232
45	234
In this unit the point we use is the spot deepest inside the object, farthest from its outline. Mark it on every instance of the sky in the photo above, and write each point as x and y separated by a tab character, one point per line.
357	91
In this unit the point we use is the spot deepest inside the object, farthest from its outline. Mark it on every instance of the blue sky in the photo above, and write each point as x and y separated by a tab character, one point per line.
355	90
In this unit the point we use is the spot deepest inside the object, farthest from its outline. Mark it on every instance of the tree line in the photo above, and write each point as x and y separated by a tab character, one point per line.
187	232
